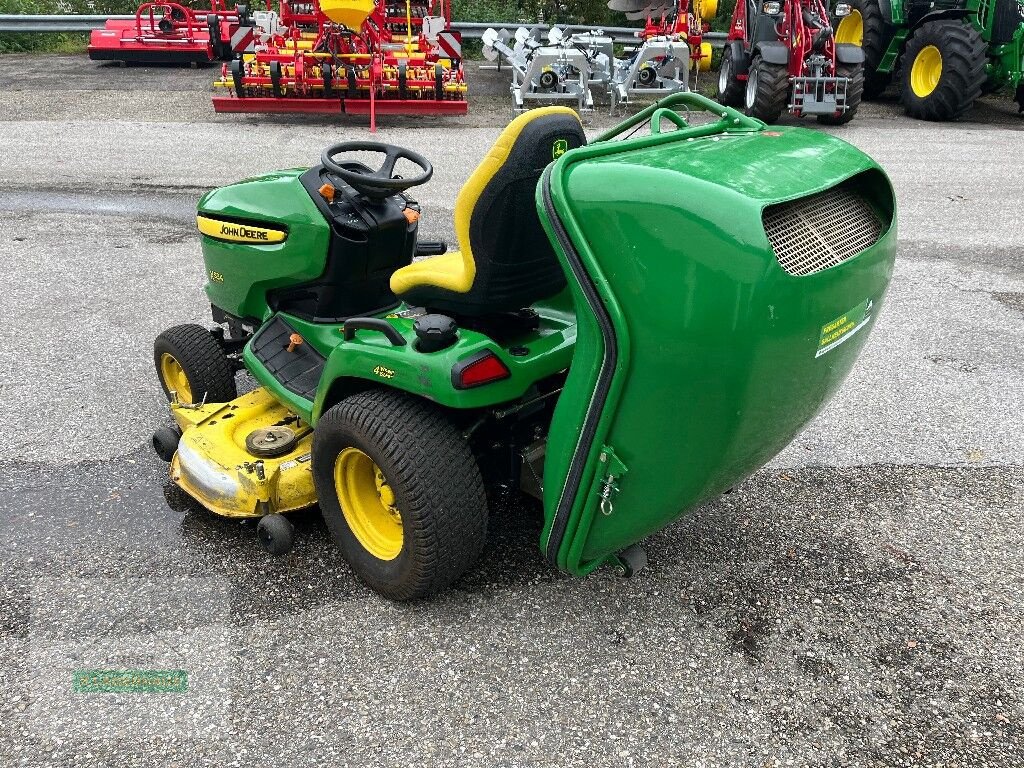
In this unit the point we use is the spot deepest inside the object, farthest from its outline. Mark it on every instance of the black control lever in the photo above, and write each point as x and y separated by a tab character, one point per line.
354	324
431	247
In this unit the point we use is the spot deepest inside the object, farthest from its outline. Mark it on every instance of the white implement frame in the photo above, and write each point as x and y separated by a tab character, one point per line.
572	67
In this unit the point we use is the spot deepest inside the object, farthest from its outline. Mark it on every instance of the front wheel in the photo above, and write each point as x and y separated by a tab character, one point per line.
730	89
854	73
400	491
191	363
767	90
943	70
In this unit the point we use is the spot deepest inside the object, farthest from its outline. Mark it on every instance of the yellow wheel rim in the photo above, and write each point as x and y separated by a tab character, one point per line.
174	377
851	29
927	69
705	53
368	504
707	9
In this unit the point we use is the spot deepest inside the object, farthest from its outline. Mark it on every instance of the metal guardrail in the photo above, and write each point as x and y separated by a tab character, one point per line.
10	22
469	30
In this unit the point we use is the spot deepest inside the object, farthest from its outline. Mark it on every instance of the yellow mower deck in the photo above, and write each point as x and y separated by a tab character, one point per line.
214	466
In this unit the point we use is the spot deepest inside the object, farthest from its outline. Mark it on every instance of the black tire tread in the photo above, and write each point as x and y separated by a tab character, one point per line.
434	475
207	367
877	36
772	96
732	96
854	94
963	69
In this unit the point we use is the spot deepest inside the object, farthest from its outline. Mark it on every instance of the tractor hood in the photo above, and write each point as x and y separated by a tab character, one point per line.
726	278
260	235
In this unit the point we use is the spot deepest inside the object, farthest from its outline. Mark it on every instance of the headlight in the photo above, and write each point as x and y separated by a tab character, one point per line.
772	8
843	9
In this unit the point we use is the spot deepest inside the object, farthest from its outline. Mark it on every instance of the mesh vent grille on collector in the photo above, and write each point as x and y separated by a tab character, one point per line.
821	231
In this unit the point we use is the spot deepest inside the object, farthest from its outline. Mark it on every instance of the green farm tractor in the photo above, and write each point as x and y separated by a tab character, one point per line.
944	53
629	327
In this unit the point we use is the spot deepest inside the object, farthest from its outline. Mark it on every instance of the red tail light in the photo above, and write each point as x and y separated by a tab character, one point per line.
482	368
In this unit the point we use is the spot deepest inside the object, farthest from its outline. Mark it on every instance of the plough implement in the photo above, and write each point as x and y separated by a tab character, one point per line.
172	33
572	67
349	56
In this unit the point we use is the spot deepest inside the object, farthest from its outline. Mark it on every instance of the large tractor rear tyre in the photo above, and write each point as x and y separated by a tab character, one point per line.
767	95
730	87
400	491
866	27
942	70
190	362
854	93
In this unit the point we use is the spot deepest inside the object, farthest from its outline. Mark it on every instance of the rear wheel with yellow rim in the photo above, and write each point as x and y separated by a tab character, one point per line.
400	491
190	363
942	69
866	27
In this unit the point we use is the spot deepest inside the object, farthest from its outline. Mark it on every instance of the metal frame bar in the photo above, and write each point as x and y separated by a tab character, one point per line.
16	22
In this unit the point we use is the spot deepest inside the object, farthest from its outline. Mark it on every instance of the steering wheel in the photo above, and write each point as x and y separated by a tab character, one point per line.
378	184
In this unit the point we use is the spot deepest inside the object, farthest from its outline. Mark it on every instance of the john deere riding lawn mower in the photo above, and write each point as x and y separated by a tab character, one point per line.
782	56
944	54
627	329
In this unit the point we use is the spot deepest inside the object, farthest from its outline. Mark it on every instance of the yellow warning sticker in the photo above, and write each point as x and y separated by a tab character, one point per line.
835	332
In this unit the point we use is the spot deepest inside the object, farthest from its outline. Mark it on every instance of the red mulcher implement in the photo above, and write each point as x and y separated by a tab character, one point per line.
351	56
170	33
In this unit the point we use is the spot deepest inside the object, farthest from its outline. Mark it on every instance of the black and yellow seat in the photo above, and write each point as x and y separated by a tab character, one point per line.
505	261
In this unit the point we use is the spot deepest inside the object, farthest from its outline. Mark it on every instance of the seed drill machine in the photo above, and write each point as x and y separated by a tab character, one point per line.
353	56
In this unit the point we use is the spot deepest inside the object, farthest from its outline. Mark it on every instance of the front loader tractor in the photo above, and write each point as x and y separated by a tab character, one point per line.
944	53
782	56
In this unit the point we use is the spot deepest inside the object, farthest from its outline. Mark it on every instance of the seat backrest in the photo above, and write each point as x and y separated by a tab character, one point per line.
503	244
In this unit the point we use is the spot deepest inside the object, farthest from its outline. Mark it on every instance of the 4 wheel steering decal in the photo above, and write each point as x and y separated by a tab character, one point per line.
239	233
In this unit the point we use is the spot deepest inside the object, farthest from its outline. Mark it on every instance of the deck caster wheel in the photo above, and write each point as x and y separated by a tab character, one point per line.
276	534
165	442
631	561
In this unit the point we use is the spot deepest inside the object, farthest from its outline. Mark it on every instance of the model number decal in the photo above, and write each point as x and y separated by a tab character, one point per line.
217	277
384	373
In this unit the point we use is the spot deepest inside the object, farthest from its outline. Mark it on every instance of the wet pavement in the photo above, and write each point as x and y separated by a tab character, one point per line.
857	603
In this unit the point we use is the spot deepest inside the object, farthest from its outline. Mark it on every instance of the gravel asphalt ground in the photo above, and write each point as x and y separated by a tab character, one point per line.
856	603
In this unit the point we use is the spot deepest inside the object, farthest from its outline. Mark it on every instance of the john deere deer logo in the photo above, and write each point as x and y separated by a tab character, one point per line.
559	148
